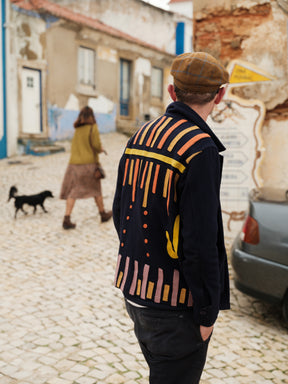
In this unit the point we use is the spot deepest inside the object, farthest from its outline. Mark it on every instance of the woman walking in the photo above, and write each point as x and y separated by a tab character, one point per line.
80	181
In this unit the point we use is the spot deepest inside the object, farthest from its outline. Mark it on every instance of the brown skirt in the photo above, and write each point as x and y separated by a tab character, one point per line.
79	182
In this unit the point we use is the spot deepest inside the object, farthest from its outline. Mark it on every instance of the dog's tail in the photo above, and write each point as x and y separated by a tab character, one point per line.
12	192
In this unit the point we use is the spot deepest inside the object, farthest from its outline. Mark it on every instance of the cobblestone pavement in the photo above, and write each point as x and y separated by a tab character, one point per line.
61	320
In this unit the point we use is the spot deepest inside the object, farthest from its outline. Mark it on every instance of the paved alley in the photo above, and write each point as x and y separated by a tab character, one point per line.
61	320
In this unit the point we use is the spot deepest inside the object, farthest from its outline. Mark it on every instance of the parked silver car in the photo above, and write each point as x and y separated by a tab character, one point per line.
260	251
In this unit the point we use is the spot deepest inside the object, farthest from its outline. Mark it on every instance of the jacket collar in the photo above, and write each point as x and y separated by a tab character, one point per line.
183	110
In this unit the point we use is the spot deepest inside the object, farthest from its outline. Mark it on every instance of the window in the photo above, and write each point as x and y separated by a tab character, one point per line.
157	82
125	84
30	82
86	66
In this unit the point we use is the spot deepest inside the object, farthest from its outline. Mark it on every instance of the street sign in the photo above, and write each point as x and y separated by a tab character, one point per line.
238	123
233	139
230	177
235	159
242	72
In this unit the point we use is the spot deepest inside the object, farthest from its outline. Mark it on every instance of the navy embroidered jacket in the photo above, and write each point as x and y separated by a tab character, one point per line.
167	214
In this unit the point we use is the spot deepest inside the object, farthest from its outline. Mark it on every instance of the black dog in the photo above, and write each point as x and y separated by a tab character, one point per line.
32	200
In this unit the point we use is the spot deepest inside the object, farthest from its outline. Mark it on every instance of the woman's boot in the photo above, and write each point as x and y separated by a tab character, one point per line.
67	223
105	216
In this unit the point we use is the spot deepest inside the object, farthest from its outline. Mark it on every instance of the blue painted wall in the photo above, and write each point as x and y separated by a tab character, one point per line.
61	121
3	139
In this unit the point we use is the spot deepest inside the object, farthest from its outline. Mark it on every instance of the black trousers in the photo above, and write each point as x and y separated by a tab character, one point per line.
171	344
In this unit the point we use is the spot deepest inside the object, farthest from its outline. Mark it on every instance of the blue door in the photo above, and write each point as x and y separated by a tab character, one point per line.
3	141
125	84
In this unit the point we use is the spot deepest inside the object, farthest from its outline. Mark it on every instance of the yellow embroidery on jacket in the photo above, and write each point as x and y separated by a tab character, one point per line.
172	246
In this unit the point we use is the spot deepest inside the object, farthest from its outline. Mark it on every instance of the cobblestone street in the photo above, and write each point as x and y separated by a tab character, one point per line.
61	320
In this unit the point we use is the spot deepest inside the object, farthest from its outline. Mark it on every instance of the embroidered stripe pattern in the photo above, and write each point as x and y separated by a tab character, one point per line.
156	156
161	151
145	287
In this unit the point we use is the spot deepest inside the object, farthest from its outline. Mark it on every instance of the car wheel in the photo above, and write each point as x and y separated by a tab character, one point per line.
285	307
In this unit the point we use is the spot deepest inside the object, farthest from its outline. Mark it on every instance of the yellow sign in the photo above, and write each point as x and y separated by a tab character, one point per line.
242	72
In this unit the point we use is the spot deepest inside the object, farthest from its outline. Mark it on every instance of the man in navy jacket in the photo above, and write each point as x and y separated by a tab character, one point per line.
172	263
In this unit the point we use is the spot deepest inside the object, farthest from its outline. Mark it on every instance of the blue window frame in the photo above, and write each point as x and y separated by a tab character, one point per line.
180	36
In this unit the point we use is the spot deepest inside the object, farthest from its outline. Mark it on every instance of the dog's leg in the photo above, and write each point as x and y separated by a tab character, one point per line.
42	206
25	213
35	208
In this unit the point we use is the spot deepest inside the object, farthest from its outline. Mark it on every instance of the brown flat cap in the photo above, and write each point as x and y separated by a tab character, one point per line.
198	72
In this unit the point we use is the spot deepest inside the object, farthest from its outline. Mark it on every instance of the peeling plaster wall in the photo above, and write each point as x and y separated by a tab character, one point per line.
52	41
29	30
26	49
254	31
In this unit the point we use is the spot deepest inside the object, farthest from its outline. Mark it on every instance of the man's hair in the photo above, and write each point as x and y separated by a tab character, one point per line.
191	98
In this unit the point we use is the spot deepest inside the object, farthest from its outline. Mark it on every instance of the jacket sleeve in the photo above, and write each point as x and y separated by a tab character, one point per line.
117	198
199	205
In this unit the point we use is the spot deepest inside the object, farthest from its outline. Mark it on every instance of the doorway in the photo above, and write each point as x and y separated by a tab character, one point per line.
31	101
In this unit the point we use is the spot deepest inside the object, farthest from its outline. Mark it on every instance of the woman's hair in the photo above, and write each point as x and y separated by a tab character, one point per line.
194	98
86	116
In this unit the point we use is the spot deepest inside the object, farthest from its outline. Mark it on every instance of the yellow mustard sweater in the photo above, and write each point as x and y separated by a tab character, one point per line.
81	151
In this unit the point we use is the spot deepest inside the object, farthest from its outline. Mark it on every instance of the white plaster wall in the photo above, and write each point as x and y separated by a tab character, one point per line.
247	3
188	42
147	26
143	66
12	88
184	8
72	103
101	104
12	104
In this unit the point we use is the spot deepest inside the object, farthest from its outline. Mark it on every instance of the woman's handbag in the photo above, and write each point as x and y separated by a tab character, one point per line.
99	172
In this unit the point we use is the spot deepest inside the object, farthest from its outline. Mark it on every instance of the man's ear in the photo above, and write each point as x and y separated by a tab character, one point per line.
171	91
220	95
